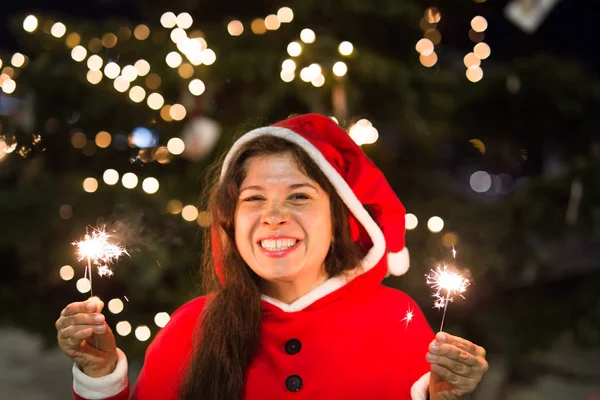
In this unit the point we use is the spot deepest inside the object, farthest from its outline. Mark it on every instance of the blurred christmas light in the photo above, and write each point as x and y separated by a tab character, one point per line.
411	221
17	60
83	285
177	112
173	59
123	328
424	47
142	333
9	86
433	15
208	56
30	23
471	60
112	70
95	62
153	81
318	80
474	74
435	224
109	40
164	113
150	185
294	49
94	77
155	101
184	20
174	206
78	140
168	20
137	94
58	30
482	50
204	219
129	180
142	67
178	35
141	32
162	155
340	68
235	28
120	84
288	65
67	273
103	139
115	306
363	132
176	146
95	45
129	73
189	213
480	181
258	26
434	35
185	70
110	177
287	76
196	87
285	15
65	211
272	23
428	60
78	53
345	48
479	24
307	36
90	185
161	319
143	137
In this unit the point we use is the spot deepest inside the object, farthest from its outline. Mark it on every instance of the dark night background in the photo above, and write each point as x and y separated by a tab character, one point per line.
530	241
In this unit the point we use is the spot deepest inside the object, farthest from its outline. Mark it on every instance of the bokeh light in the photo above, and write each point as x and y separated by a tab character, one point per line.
480	181
83	285
435	224
308	36
189	213
479	24
30	23
411	221
174	206
129	180
176	146
161	319
474	74
123	328
345	48
285	15
110	177
90	185
155	101
58	30
142	333
272	23
150	185
235	28
103	139
177	112
168	20
66	273
184	20
196	87
294	49
340	68
115	306
482	50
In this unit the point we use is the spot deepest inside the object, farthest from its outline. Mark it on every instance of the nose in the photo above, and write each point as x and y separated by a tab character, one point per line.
276	216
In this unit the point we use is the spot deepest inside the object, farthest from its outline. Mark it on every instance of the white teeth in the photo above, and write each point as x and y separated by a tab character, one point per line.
277	244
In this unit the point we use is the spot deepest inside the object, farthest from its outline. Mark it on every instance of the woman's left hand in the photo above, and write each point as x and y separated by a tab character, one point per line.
457	367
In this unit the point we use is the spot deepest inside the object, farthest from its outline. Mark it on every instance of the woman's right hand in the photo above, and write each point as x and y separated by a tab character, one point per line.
85	337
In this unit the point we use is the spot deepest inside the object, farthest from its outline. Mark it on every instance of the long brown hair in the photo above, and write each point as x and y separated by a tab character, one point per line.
229	333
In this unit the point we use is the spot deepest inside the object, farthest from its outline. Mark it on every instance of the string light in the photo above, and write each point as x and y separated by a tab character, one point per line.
272	23
208	57
90	185
115	306
428	60
294	49
411	221
168	20
177	112
155	101
307	36
129	180
120	84
474	74
482	50
150	185
9	86
435	224
479	24
174	207
30	23
189	213
95	62
161	319
78	53
112	70
129	73
178	35
142	67
103	139
58	30
287	76
424	47
471	60
175	146
196	87
142	333
318	80
110	177
66	273
184	20
17	60
345	48
258	26
235	28
340	68
94	77
141	32
285	15
123	328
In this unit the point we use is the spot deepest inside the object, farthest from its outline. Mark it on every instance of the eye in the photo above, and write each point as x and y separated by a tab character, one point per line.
254	198
299	196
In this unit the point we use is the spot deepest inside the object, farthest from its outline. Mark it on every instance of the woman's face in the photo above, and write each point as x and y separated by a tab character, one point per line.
283	221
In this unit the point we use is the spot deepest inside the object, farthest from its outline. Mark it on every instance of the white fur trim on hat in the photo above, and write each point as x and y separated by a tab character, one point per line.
341	186
399	262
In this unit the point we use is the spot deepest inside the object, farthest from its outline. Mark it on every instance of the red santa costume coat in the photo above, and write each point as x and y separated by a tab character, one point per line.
349	338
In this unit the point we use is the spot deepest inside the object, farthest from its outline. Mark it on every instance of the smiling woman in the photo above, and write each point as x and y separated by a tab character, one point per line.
293	267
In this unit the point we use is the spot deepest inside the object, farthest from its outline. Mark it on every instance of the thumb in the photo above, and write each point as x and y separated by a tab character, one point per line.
99	304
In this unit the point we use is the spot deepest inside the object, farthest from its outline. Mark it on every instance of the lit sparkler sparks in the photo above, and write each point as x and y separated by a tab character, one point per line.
449	281
408	317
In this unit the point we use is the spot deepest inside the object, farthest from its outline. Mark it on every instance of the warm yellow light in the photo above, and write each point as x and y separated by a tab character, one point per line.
474	74
272	23
164	113
434	35
305	74
173	59
58	30
142	67
83	285
161	319
67	273
155	101
94	77
95	62
110	177
424	47
235	28
176	146
294	49
208	57
185	70
150	185
174	206
204	219
318	81
184	20
120	84
95	45
345	48
9	86
123	328
411	221
471	60
103	139
258	26
482	50
142	333
109	40
129	73
189	213
168	20
115	306
17	60
177	112
73	39
428	60
112	70
435	224
78	140
178	35
153	81
308	36
340	68
30	23
288	65
90	185
287	76
129	180
433	15
196	87
141	32
285	15
78	53
479	24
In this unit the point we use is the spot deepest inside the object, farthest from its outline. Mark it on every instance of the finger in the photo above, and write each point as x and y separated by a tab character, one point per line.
461	343
460	382
453	353
457	368
75	331
80	319
93	304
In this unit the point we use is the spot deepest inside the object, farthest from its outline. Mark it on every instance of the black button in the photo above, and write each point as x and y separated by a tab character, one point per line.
293	383
293	346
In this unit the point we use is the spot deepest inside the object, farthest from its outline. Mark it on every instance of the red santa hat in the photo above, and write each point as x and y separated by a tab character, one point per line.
357	180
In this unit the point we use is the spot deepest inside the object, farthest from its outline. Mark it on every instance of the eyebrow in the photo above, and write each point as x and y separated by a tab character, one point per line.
293	186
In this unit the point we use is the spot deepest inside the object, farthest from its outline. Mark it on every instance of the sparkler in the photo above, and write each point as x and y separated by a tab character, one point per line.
448	280
408	317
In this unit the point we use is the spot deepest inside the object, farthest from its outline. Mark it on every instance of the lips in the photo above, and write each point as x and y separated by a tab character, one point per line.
278	253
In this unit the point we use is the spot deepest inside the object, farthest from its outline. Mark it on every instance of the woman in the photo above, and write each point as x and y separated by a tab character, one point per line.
297	308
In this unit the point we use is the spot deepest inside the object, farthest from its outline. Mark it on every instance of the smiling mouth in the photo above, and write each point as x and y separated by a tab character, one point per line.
277	245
